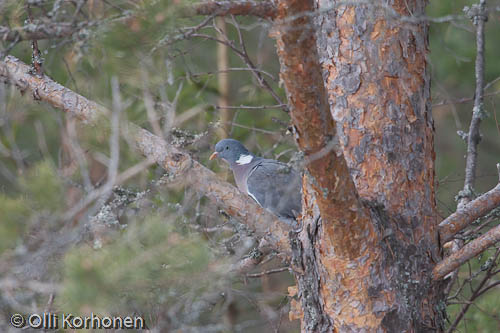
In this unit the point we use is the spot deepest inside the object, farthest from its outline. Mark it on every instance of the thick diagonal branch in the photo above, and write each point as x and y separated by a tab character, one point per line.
464	216
264	9
472	249
175	161
48	30
468	213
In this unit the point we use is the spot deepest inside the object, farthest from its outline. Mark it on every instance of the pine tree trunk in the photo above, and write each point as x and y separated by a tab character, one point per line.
359	95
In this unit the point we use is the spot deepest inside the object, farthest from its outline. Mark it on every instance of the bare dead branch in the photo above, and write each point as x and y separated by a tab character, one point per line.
175	161
469	213
264	9
470	250
479	16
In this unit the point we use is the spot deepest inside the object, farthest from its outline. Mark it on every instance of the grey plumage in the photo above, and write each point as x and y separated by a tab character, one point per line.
272	184
276	187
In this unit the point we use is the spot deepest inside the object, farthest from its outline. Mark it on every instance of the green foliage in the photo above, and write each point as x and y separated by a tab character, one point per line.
479	319
42	191
150	263
15	213
43	188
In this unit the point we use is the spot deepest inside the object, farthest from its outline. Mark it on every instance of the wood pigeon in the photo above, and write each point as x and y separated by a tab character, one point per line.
273	184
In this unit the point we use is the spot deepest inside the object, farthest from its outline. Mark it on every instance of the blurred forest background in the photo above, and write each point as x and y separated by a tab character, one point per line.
150	246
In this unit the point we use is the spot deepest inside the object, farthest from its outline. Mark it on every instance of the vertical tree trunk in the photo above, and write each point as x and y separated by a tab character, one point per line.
359	96
225	114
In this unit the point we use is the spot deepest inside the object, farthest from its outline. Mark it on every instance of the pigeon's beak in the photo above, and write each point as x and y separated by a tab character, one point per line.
214	155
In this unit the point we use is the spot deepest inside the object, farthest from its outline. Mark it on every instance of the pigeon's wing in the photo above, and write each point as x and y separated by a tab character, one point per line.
276	187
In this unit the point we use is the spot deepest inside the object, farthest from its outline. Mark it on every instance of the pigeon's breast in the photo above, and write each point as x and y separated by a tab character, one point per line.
241	173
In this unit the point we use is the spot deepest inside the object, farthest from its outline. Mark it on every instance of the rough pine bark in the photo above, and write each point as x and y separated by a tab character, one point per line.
359	96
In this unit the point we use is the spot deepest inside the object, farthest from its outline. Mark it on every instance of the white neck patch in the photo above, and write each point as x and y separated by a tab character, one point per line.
244	159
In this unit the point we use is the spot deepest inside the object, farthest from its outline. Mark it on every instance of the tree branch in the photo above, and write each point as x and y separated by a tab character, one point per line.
270	271
39	31
175	161
264	9
468	213
472	249
254	258
479	16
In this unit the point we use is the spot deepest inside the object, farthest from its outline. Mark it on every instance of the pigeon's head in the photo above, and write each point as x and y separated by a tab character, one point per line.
232	151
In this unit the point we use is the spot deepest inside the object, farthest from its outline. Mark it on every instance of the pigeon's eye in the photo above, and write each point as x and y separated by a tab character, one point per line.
227	147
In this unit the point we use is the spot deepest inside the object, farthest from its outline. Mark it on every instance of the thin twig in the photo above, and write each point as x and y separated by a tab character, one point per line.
271	271
262	82
36	58
251	107
232	123
233	69
463	100
475	294
187	33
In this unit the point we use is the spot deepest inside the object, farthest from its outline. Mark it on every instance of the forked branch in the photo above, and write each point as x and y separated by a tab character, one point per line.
468	213
464	216
470	250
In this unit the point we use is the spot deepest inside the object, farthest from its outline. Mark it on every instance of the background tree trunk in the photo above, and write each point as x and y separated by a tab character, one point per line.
226	115
363	260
